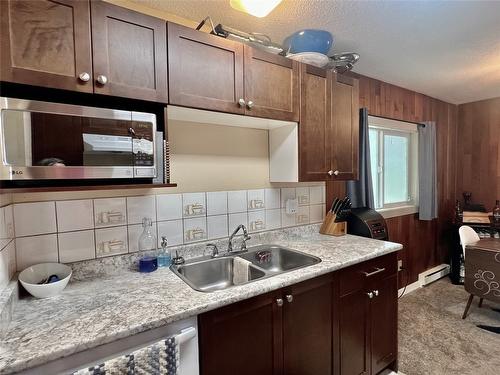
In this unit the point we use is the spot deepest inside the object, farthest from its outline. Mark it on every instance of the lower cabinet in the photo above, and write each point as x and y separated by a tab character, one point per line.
368	316
325	326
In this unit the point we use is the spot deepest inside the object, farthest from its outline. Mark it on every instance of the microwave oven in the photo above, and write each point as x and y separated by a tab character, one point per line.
53	141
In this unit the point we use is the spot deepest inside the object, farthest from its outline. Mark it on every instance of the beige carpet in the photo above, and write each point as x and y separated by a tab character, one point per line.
434	340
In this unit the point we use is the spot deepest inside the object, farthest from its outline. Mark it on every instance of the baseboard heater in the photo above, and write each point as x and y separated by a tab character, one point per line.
433	274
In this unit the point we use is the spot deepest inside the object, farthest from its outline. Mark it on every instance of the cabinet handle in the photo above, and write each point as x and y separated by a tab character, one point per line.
335	172
377	270
375	293
289	298
279	302
241	102
249	104
102	79
84	77
370	295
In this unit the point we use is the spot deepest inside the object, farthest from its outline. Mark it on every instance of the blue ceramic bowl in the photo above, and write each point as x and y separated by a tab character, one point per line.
309	40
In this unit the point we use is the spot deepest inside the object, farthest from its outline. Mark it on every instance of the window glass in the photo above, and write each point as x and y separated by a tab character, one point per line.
395	168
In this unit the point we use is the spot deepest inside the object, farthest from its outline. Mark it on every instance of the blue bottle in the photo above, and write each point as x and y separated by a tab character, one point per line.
164	258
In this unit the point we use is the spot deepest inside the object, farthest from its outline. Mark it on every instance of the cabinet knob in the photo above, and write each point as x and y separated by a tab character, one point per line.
84	77
375	293
289	298
102	79
279	301
330	173
249	104
241	102
370	295
336	172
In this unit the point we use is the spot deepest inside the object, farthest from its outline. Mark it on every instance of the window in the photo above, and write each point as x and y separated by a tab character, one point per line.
393	157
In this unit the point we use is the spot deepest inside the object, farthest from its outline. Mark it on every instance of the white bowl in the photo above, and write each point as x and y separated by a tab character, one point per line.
312	58
31	276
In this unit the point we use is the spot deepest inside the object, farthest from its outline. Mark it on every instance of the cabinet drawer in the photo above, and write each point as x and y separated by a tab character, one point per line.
361	275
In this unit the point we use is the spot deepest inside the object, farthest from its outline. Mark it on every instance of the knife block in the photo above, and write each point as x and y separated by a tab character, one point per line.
331	227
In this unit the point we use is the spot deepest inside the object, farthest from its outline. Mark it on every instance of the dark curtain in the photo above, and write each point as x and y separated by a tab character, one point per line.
361	191
427	171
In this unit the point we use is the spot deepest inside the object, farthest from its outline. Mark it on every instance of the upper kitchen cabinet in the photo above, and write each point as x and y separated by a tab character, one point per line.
129	53
329	126
205	71
47	43
315	125
271	85
345	128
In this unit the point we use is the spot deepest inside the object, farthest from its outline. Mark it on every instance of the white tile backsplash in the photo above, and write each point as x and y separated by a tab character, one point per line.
287	193
195	229
272	197
134	232
316	213
110	212
317	194
34	218
217	203
237	219
7	264
256	199
257	221
302	216
36	249
303	195
287	220
169	207
141	207
273	219
237	201
172	230
75	215
76	246
193	204
111	226
217	226
111	241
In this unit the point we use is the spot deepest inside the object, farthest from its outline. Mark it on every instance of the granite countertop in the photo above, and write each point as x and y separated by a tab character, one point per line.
101	310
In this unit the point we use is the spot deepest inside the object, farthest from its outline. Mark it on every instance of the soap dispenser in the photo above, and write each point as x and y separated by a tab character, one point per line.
164	258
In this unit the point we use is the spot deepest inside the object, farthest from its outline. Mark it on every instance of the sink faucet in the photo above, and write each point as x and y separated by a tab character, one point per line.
215	250
246	237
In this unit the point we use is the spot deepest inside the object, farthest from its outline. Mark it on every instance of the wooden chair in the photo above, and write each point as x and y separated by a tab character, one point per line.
468	236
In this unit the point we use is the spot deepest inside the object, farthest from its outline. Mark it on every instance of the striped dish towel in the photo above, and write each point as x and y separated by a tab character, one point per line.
161	358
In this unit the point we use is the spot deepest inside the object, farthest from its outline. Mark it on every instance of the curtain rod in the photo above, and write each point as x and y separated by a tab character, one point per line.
390	118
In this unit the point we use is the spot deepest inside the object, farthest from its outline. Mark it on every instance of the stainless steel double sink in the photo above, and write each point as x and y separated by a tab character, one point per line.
208	274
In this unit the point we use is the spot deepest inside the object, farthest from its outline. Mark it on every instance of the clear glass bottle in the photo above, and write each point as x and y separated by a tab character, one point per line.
147	239
164	258
496	211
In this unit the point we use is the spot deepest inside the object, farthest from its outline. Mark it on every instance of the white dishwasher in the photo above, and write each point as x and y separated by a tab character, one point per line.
171	350
168	350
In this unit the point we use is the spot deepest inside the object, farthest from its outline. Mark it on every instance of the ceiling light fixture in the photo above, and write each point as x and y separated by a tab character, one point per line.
257	8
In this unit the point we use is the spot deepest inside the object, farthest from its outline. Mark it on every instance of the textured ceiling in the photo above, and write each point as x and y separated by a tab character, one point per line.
445	49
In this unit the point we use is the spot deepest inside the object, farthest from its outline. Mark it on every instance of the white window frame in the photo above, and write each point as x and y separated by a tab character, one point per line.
390	126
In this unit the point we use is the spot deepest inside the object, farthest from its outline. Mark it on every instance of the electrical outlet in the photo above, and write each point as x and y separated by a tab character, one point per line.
400	265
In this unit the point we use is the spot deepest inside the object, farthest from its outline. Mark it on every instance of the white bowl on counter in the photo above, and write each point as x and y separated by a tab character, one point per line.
33	275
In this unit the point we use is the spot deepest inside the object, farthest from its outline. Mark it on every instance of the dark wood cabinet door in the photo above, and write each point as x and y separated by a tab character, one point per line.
345	127
46	43
271	85
384	338
308	327
130	51
244	338
354	333
315	126
205	71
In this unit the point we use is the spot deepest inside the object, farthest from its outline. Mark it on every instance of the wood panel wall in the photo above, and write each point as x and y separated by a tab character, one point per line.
478	151
426	243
